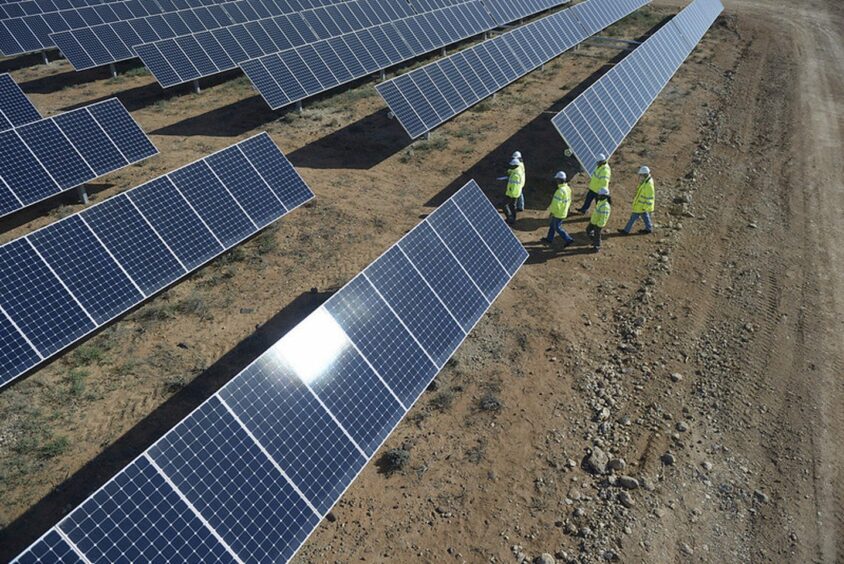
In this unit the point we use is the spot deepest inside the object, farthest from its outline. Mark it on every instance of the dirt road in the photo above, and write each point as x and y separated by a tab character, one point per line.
708	357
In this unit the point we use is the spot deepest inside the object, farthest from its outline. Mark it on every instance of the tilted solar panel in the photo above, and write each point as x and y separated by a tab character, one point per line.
428	96
46	157
66	280
599	119
15	107
253	470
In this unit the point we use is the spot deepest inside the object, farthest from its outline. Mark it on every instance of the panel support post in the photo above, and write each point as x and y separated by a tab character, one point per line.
112	70
299	107
382	76
542	67
427	136
494	94
45	58
442	52
196	88
83	194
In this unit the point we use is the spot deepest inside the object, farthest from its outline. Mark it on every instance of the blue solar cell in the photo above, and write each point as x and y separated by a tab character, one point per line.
279	39
246	185
118	51
93	46
21	172
486	221
276	171
213	203
31	295
246	42
445	275
347	56
86	268
317	66
404	50
384	43
230	45
8	201
55	153
286	26
16	355
122	129
173	219
382	339
266	84
357	398
87	138
177	59
424	110
53	549
372	46
295	430
135	245
215	51
139	517
415	304
234	485
197	55
355	45
332	61
295	64
401	108
261	38
14	105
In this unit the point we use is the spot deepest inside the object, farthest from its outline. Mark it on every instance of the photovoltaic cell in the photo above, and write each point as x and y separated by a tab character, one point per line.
63	281
15	107
265	458
51	548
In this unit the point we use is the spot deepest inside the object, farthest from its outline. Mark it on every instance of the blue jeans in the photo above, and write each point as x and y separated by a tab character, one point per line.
646	217
520	206
557	227
590	196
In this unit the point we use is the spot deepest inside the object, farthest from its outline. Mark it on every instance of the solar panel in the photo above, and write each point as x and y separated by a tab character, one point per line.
452	84
45	157
15	107
64	281
599	119
281	82
251	472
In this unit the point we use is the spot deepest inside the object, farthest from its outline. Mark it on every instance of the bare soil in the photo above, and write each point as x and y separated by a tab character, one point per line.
738	294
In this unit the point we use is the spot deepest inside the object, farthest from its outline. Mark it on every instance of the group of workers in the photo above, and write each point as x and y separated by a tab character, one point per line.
598	192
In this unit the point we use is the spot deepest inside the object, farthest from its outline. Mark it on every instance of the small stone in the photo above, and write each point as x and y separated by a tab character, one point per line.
596	461
586	532
668	459
761	496
616	464
676	376
686	549
682	426
247	310
626	499
707	465
628	482
610	556
544	558
579	512
752	225
571	463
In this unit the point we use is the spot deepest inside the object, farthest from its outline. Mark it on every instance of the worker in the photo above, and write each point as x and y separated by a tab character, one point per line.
559	210
515	184
600	217
599	180
643	203
518	155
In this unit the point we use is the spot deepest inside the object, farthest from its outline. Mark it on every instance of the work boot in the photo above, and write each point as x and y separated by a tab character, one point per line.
623	232
546	240
646	231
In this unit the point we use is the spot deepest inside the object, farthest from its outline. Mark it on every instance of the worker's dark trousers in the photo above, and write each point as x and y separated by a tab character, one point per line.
510	207
594	233
590	196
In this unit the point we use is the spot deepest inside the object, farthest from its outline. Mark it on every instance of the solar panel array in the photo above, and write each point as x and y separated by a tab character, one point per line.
251	472
599	119
15	107
25	34
114	42
428	96
43	158
64	281
180	60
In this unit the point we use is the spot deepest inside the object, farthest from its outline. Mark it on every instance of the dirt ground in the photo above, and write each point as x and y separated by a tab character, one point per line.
705	361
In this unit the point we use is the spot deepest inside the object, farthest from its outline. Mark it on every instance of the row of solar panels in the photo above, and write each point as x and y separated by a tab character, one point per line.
295	74
599	119
102	10
149	20
428	96
41	157
253	35
66	280
250	473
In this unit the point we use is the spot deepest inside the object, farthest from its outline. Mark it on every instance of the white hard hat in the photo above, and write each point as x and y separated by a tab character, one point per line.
604	192
644	170
514	161
602	157
560	175
517	155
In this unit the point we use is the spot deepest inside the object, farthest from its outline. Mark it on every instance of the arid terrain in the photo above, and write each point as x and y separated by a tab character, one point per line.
678	397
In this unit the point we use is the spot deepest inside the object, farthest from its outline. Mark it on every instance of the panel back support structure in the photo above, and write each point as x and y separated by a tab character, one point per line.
599	119
249	474
428	96
62	282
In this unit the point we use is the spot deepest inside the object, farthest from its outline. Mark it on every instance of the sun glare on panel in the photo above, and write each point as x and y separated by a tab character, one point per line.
313	345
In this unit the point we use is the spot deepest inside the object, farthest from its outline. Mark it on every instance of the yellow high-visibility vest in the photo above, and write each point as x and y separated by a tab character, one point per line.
561	201
600	178
601	213
515	182
644	200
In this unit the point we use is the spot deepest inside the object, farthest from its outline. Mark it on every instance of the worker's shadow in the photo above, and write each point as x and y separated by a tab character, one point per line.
540	251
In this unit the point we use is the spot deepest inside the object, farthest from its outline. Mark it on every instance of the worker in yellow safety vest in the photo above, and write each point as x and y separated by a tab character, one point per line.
599	180
600	217
559	210
643	203
515	184
520	206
